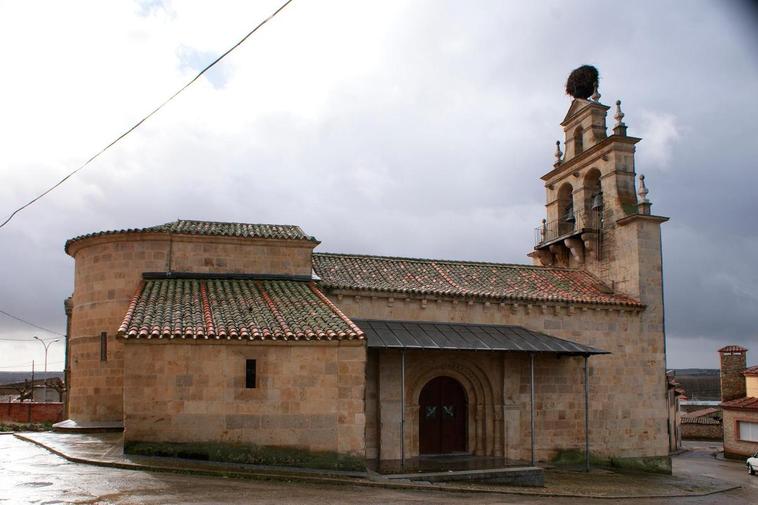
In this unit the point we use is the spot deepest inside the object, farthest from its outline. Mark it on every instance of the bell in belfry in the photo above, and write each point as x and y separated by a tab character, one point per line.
597	201
569	217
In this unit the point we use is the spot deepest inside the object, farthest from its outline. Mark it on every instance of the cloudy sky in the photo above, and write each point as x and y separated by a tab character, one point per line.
404	128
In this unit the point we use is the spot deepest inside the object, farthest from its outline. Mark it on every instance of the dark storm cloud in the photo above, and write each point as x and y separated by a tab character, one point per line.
438	149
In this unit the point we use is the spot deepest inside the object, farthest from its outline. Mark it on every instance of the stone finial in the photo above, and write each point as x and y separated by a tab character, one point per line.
619	115
620	127
644	204
595	94
558	153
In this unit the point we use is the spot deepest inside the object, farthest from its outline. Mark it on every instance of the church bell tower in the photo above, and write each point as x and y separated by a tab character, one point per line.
597	219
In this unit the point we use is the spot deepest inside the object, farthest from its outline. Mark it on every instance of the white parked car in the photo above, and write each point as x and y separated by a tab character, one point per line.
752	464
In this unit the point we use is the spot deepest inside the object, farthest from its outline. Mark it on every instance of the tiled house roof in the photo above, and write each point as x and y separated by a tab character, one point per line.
213	228
463	278
750	403
234	309
751	371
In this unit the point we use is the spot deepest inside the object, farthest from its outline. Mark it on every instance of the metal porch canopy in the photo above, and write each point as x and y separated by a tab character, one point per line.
466	337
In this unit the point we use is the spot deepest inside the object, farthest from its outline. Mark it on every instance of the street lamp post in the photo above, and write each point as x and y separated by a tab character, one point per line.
46	345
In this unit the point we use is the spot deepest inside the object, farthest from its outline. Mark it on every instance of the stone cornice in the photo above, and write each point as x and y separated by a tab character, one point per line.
641	217
588	155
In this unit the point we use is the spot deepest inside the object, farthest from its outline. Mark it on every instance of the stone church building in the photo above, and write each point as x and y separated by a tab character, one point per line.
234	333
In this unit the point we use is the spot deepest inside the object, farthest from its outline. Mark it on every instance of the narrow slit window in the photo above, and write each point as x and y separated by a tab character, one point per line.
250	373
103	346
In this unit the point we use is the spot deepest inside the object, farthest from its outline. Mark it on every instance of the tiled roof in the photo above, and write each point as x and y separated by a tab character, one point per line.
751	371
701	413
213	228
232	308
749	402
701	420
463	278
733	348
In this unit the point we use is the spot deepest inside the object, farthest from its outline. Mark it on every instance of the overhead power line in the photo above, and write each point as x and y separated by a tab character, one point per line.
138	123
29	363
30	324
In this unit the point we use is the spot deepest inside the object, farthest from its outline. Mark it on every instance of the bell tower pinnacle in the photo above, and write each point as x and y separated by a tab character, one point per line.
595	220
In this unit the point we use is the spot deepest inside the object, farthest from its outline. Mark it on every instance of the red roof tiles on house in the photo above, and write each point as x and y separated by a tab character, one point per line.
463	278
749	403
701	413
234	309
732	348
212	228
750	371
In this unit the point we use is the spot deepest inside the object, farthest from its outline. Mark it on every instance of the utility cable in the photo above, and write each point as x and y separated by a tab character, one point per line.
138	123
30	324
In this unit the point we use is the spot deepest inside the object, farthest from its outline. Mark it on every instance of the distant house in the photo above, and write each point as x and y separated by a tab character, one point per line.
739	392
39	390
703	424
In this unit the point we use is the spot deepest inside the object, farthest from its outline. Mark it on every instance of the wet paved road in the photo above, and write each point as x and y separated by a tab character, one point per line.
29	474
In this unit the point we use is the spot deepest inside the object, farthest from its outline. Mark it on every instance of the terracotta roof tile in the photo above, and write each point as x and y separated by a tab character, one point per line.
701	413
463	278
751	371
749	402
212	228
234	309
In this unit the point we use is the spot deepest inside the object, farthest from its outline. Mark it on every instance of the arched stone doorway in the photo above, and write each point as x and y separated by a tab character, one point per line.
443	414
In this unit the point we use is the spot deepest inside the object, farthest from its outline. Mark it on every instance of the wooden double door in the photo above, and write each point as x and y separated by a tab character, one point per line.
442	417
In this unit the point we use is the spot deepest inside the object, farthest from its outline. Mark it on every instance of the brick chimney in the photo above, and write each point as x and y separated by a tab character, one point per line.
733	363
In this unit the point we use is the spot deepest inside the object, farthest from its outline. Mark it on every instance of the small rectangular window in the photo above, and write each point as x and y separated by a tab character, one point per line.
103	346
250	373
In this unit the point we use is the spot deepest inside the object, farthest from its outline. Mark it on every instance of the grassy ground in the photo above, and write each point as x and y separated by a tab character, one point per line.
25	426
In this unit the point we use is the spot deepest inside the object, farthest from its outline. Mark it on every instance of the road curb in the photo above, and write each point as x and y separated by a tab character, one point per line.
355	481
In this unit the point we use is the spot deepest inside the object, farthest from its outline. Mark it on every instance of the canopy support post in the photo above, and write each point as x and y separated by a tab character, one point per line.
531	400
586	415
402	408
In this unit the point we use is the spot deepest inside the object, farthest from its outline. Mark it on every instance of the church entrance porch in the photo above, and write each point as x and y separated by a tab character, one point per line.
442	419
522	395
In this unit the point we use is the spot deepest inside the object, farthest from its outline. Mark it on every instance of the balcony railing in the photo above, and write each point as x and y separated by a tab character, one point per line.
550	231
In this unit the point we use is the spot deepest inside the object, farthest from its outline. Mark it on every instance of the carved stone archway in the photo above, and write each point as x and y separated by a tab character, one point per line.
479	393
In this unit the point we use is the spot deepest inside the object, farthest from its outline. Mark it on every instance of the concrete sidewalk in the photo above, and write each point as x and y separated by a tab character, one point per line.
106	449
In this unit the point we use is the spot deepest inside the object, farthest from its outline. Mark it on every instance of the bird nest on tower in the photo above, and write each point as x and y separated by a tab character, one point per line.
582	81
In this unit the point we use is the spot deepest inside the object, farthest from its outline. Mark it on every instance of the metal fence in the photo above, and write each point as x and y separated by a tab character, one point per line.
582	221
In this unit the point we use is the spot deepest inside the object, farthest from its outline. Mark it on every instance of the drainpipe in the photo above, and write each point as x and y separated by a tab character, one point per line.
402	408
586	415
531	400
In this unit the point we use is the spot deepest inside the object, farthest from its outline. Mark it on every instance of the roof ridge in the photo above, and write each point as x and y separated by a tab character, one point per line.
447	261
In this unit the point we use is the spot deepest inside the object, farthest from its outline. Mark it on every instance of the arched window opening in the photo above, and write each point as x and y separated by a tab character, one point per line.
578	140
594	203
566	216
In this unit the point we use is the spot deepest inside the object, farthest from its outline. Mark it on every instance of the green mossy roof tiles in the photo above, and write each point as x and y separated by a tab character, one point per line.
234	309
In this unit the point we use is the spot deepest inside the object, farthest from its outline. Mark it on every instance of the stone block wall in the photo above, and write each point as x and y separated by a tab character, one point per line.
309	395
699	431
108	271
733	446
628	405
